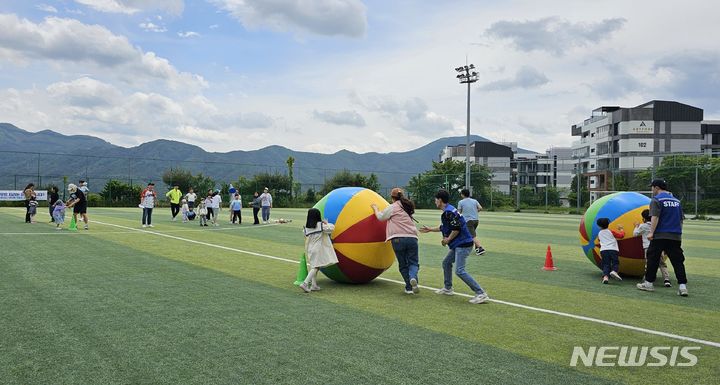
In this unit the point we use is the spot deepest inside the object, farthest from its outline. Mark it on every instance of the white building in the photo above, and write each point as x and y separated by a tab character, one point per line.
630	139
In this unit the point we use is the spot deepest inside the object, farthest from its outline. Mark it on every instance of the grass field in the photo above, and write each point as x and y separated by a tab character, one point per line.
187	305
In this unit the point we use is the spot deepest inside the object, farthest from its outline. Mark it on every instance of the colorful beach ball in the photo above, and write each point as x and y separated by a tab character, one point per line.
359	237
621	208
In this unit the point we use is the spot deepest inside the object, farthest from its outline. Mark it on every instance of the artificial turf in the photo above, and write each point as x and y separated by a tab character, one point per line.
118	304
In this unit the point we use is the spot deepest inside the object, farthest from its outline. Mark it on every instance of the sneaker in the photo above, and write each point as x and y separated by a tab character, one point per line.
480	298
480	251
605	280
151	226
615	275
645	286
173	219
682	290
304	287
445	291
414	285
86	227
409	291
667	283
144	225
315	288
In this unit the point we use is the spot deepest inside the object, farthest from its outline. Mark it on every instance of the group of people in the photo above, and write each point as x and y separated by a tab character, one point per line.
207	209
661	231
56	206
455	227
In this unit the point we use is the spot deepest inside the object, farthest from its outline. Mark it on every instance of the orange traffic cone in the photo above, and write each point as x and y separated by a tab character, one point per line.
549	261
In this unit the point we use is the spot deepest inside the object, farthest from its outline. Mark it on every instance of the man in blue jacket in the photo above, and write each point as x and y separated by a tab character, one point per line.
665	236
457	237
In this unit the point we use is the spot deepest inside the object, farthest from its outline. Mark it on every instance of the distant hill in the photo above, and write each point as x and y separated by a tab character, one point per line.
97	160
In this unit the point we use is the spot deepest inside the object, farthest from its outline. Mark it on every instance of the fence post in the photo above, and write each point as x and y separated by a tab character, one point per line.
696	191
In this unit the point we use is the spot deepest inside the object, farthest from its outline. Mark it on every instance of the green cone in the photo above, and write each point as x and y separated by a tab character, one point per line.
302	270
73	225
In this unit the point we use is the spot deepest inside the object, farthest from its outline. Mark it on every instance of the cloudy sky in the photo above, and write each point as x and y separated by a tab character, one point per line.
326	75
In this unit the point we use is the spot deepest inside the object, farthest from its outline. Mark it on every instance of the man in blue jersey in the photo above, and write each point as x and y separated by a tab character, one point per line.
458	239
665	236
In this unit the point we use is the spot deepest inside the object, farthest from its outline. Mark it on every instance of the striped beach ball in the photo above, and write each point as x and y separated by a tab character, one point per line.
621	208
359	237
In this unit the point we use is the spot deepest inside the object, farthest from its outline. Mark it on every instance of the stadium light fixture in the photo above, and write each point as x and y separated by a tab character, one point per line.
467	77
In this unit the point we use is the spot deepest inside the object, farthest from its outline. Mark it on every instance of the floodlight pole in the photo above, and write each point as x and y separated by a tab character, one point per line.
467	75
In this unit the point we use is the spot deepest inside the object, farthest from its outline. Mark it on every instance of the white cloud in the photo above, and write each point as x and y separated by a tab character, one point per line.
152	27
348	118
46	8
320	17
188	34
174	7
526	77
93	46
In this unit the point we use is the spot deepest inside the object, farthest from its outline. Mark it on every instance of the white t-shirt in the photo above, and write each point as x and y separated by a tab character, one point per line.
607	240
216	201
148	200
266	199
191	197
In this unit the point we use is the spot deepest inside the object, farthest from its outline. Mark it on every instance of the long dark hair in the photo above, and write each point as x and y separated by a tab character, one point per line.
407	205
29	185
313	218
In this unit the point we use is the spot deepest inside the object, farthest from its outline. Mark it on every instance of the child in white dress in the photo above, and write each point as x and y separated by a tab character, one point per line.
318	248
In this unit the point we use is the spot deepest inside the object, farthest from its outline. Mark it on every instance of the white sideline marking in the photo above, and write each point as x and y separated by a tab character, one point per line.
518	305
65	231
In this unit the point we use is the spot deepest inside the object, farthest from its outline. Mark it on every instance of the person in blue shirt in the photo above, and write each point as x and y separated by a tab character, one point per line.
469	208
665	235
235	207
458	239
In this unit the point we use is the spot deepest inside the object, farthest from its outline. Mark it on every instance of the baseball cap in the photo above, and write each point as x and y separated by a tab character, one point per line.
659	183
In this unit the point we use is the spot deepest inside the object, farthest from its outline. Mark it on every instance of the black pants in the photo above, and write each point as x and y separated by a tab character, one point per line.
50	209
27	211
174	209
255	213
147	216
675	255
236	215
210	213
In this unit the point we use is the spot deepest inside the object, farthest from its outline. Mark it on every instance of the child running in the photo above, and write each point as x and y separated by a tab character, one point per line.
318	248
58	213
644	229
32	208
609	250
202	213
184	210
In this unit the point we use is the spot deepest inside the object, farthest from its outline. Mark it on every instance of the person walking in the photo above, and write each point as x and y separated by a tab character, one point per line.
666	220
148	197
318	248
256	204
469	208
402	235
235	209
78	201
53	197
457	238
175	195
266	203
29	193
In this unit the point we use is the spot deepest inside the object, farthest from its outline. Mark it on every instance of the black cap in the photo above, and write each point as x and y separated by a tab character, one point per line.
659	183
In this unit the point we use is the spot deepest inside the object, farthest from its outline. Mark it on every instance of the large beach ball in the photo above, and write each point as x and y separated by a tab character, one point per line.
359	237
621	208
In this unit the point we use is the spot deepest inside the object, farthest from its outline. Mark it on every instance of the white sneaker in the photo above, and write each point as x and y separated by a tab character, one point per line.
414	285
615	275
645	286
445	291
315	288
150	226
682	290
409	292
144	225
304	287
480	298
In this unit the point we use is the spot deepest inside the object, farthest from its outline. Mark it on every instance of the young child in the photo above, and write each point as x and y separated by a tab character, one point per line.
58	213
609	250
643	229
202	212
318	248
184	209
32	208
235	207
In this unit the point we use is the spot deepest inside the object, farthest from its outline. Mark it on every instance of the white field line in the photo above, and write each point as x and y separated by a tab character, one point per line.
64	231
518	305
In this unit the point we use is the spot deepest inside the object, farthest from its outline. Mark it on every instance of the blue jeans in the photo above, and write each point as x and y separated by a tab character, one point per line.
147	216
611	261
406	252
266	213
458	256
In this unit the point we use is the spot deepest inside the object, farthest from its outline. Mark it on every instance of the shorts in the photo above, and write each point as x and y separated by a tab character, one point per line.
472	227
80	209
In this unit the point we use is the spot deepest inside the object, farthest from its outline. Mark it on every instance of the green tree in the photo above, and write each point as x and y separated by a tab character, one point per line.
346	178
118	193
185	179
584	192
450	175
290	162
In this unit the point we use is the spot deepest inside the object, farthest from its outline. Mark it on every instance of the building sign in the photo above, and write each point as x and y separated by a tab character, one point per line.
637	127
17	195
636	145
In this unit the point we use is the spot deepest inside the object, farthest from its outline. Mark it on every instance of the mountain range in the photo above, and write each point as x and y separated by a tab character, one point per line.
48	156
